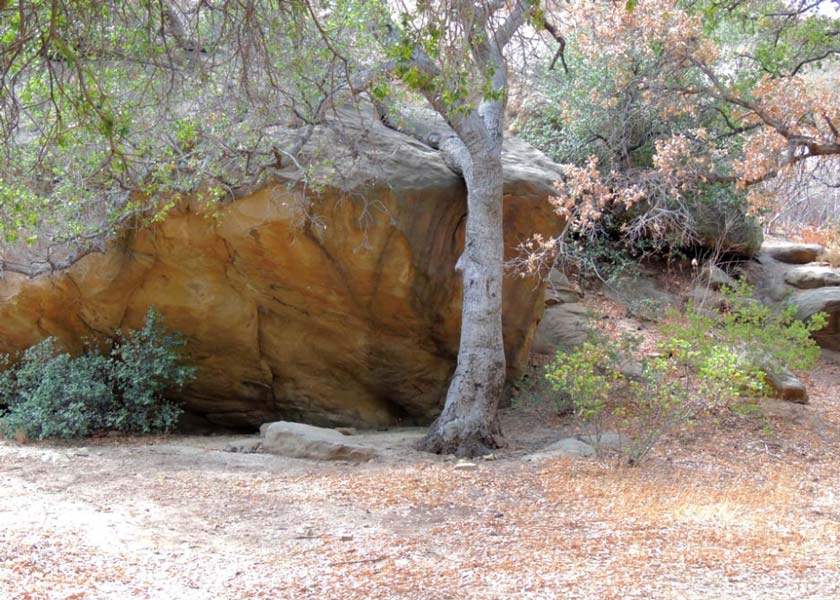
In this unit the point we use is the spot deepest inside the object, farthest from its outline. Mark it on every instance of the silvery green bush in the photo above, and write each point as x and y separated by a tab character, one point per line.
51	394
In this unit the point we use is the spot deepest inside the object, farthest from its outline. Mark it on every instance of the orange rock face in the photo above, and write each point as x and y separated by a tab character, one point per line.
351	319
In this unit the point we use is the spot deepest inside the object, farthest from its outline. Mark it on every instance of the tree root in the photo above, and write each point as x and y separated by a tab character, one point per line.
467	443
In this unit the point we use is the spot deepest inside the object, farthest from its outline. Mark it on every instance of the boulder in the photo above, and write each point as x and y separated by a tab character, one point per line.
827	300
350	316
563	327
810	277
785	385
297	440
642	297
559	290
723	227
792	252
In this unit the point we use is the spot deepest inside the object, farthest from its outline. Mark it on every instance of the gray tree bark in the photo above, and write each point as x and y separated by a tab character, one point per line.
469	425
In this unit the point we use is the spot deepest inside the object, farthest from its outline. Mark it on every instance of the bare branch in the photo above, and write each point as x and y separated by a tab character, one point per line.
512	23
561	48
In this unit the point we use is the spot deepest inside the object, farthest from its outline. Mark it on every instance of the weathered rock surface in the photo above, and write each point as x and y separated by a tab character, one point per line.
566	447
825	300
722	228
785	384
563	327
810	277
780	283
348	318
793	253
559	290
565	322
298	440
642	296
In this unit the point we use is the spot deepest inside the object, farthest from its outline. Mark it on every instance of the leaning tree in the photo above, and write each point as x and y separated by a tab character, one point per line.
112	110
452	54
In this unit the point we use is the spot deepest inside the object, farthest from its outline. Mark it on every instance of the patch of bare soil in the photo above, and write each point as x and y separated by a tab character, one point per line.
737	506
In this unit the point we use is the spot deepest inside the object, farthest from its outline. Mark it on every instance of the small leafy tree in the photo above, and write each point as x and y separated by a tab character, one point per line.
587	381
603	393
49	394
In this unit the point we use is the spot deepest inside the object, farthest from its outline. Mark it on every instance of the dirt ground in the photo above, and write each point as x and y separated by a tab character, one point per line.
739	506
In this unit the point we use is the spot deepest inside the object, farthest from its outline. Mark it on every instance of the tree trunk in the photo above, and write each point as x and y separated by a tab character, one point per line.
468	425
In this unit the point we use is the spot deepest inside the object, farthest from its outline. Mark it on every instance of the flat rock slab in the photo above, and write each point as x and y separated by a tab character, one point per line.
793	253
571	446
809	277
298	440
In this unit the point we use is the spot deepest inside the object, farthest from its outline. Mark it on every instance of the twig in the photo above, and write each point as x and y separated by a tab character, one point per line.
356	562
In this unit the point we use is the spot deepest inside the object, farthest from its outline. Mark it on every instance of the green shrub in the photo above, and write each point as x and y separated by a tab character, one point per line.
708	359
143	365
54	395
731	349
643	403
49	394
586	381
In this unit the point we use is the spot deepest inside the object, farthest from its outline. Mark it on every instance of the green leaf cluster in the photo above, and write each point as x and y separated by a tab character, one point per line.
51	394
731	348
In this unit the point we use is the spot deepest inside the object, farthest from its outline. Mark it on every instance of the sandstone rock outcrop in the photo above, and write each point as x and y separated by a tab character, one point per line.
809	277
565	322
825	300
563	327
348	317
